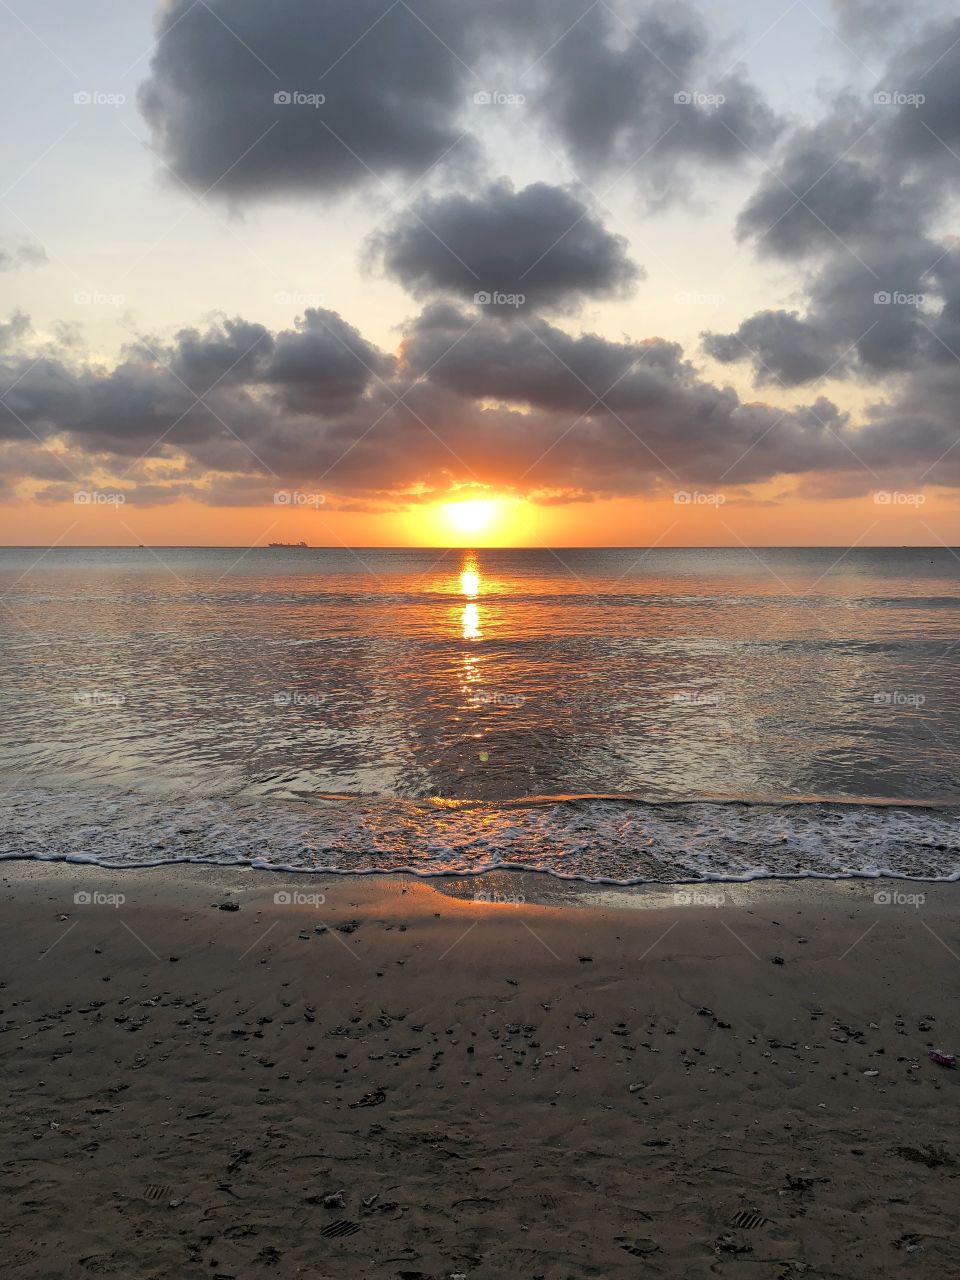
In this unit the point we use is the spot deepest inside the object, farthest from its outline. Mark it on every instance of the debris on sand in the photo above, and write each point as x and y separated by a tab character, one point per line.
944	1059
372	1099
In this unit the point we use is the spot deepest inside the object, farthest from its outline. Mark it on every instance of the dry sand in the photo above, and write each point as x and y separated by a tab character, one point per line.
405	1082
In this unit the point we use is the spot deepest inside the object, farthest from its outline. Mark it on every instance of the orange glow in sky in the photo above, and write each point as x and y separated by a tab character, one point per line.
772	519
495	521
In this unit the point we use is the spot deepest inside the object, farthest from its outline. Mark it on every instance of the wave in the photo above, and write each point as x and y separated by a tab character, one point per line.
492	594
608	838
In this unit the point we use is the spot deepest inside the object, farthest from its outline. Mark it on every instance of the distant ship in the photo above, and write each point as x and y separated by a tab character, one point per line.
286	544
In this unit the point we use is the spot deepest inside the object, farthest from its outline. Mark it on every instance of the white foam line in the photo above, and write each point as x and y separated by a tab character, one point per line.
258	864
602	841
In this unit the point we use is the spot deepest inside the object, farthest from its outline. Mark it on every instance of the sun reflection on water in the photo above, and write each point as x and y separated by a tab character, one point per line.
470	587
470	622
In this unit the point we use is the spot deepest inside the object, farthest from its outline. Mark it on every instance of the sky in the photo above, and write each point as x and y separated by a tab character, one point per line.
525	272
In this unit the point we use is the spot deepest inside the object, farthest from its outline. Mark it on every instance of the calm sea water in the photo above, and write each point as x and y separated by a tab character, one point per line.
373	708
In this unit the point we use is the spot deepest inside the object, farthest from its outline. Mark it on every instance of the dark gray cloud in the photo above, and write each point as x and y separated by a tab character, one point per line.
324	364
652	96
539	364
398	83
541	243
526	408
233	381
222	96
874	168
818	198
782	348
624	416
859	200
229	351
856	324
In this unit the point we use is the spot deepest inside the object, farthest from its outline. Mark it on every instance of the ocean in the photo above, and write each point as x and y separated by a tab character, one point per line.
621	715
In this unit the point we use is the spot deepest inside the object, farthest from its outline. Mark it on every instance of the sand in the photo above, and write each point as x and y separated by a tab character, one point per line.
402	1081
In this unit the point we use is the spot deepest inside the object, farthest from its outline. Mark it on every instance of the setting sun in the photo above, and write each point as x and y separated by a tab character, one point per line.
472	517
498	521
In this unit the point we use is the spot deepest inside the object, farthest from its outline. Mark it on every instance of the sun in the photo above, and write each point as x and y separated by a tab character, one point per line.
471	517
487	519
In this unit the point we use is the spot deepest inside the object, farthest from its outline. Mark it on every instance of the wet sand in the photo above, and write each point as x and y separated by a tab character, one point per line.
405	1081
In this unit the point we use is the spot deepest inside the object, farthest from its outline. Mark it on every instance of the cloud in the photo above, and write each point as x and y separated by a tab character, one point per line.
541	244
876	24
14	330
251	102
22	255
782	348
859	200
538	364
652	97
526	408
875	168
324	364
868	23
233	93
618	417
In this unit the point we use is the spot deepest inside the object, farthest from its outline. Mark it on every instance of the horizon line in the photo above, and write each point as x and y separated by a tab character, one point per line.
293	546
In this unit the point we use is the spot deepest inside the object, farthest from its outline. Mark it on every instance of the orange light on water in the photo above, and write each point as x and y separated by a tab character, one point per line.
470	586
470	622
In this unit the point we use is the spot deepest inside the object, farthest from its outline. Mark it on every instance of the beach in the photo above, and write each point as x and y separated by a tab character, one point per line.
506	1075
480	631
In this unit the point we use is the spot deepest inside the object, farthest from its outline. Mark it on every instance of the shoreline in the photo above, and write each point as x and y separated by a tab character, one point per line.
579	885
412	1079
626	842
